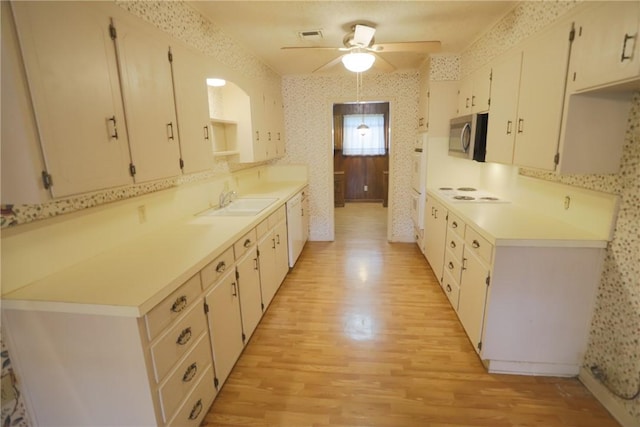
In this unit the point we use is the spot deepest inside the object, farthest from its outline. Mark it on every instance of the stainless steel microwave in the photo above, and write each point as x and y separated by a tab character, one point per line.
468	136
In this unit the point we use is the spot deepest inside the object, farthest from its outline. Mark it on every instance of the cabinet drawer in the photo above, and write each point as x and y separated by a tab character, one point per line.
479	245
172	306
451	289
184	377
216	269
455	223
178	340
277	216
262	228
454	243
244	243
453	265
197	404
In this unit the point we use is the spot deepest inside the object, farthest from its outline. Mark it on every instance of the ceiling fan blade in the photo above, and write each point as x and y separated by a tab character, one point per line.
422	47
363	35
383	64
309	47
328	65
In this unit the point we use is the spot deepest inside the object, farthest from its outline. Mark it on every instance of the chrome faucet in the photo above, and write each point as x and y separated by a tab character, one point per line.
226	198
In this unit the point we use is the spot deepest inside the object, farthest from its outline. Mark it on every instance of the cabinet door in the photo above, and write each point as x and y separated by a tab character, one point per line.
472	297
225	325
481	92
192	106
267	258
149	103
423	104
606	48
250	293
258	151
435	230
279	128
70	62
504	104
464	96
282	251
542	88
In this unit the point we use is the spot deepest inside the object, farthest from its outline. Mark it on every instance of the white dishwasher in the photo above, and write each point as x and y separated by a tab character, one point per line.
295	228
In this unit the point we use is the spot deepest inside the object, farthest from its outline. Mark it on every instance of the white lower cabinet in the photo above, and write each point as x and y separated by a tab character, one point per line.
225	324
435	231
174	358
526	309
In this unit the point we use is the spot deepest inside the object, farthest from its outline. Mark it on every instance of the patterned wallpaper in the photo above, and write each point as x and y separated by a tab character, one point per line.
614	343
309	100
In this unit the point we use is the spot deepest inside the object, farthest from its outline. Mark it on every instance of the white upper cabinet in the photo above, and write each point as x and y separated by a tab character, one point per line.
149	102
542	88
527	99
71	67
606	49
501	130
192	106
474	92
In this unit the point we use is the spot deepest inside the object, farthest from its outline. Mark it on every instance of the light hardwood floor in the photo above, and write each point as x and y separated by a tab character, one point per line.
360	334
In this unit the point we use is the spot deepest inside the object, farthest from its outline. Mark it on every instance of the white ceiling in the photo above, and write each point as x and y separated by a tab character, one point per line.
263	27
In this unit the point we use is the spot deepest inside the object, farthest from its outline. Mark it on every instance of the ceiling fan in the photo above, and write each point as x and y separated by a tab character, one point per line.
361	41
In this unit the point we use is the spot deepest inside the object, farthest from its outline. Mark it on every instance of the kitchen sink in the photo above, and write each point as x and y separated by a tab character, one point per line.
241	207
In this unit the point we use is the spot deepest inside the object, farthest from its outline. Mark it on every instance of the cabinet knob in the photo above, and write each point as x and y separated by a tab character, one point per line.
179	304
452	244
247	243
454	224
184	337
190	372
222	266
475	244
448	288
450	265
195	411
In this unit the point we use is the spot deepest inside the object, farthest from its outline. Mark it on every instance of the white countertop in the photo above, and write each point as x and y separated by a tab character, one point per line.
510	224
130	280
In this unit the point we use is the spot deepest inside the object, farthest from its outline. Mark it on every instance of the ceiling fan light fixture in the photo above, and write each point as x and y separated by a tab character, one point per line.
358	62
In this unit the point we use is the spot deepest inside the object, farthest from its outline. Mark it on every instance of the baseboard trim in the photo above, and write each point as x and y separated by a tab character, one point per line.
607	399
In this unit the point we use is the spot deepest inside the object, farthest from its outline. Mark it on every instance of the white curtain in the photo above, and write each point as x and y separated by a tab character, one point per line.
358	143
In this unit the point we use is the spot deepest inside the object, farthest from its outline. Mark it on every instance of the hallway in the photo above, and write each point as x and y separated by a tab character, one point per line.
360	333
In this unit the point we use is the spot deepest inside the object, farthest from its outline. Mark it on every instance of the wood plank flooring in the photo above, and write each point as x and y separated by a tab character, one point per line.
360	334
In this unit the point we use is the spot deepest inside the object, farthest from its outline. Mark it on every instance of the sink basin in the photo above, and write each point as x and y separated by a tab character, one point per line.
241	207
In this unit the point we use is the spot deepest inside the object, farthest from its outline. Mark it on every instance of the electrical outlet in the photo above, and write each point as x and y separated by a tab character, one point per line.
142	214
366	188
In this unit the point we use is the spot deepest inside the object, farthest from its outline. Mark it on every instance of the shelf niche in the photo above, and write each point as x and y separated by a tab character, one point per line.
230	112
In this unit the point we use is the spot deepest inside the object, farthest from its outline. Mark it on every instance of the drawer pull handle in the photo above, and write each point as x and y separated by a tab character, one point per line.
247	243
448	288
206	132
197	408
274	243
624	56
180	304
191	372
170	130
255	263
452	244
464	264
277	238
454	224
509	122
235	289
114	132
185	336
222	266
475	244
450	265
